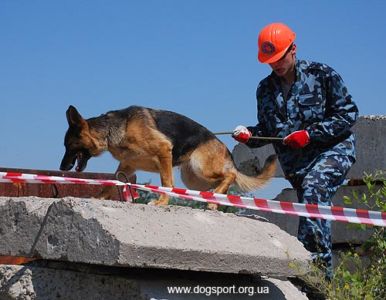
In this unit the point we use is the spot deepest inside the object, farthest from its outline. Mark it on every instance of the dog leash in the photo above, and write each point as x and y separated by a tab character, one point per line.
266	138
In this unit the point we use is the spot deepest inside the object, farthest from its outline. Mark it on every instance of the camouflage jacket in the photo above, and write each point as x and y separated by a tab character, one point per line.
318	102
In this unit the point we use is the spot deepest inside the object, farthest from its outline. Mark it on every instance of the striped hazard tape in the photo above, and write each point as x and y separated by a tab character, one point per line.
334	213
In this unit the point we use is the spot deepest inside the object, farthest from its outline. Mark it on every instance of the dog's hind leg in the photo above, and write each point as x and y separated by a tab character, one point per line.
213	164
192	180
223	187
228	179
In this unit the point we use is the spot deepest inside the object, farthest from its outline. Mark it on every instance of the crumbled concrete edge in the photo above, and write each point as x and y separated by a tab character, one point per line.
374	117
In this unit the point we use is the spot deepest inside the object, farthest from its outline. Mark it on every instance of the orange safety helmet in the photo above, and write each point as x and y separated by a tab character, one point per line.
274	40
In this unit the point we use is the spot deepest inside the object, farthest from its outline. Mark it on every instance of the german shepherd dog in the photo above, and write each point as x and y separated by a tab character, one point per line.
157	140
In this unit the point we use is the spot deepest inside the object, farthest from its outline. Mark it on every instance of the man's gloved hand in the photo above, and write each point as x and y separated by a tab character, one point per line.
297	139
241	134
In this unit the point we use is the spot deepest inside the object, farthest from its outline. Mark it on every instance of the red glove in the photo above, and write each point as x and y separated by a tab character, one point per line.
297	139
241	134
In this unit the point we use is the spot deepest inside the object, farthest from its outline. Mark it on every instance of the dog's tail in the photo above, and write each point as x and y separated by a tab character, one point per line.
249	183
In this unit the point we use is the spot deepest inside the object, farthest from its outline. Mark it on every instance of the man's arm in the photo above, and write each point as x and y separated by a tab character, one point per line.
341	113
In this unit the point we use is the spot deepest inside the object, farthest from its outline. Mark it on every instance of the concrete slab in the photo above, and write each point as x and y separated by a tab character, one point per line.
371	149
124	234
30	282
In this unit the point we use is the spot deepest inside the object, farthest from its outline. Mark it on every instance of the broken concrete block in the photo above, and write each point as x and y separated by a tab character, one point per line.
135	235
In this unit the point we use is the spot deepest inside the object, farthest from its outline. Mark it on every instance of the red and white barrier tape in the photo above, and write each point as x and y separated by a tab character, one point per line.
334	213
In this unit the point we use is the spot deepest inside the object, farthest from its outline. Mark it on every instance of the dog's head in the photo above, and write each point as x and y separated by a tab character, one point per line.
78	142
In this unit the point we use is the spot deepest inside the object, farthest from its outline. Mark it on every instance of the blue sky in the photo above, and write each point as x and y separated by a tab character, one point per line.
196	57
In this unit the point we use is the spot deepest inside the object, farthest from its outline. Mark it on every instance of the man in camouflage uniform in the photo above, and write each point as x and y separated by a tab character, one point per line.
308	105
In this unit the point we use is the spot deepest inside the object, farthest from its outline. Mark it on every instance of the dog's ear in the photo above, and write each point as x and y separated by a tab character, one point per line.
74	118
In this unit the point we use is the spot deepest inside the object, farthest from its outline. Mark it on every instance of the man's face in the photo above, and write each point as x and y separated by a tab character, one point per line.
286	64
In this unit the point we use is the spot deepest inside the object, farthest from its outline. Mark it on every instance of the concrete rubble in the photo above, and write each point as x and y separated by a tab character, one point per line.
116	234
90	249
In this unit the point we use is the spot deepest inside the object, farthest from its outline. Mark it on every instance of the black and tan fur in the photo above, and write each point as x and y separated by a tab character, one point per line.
156	140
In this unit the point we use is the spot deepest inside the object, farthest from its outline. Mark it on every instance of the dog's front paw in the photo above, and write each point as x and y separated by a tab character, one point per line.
107	193
153	202
163	200
212	206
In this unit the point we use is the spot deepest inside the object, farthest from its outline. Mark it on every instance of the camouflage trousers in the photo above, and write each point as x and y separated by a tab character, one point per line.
318	185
